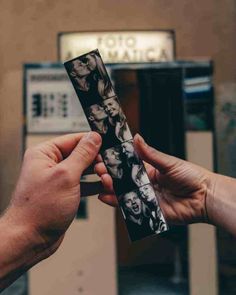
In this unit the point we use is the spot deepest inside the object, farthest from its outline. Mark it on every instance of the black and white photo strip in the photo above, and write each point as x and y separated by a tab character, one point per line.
142	213
108	119
126	169
89	78
104	113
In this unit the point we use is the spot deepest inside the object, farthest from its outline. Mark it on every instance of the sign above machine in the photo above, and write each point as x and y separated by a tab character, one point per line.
120	46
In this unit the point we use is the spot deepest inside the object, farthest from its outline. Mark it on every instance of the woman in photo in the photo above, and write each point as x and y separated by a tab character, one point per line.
148	197
97	68
153	210
139	174
113	162
117	119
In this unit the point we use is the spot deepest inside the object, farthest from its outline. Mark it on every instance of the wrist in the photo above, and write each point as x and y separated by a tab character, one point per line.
24	231
210	198
21	248
221	204
19	238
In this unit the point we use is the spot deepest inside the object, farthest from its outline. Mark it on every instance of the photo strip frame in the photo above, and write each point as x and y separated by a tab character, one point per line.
135	194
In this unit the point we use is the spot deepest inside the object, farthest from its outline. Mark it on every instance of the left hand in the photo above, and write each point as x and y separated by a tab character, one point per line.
47	194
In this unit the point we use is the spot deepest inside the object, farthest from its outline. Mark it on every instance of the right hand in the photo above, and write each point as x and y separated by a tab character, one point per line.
183	188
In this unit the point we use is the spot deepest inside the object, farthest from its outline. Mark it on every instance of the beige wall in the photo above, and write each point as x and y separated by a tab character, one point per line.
28	32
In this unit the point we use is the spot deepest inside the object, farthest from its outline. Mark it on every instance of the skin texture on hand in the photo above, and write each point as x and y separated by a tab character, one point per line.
47	196
182	187
45	201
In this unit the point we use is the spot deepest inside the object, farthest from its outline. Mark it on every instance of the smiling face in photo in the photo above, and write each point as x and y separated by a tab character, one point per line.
111	107
132	203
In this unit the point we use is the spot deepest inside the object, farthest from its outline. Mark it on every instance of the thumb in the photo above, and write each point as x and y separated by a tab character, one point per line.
159	160
83	154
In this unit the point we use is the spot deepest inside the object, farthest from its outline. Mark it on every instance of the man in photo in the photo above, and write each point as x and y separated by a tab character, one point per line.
117	119
113	162
121	173
138	224
138	173
85	85
99	122
97	118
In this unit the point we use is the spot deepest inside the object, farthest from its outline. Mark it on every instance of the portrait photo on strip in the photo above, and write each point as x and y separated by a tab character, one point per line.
126	169
118	169
149	198
113	129
90	79
132	160
117	119
137	218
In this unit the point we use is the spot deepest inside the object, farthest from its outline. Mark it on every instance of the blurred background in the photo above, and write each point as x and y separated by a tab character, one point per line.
172	64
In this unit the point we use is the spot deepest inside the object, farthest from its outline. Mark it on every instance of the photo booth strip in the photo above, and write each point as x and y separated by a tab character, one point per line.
131	184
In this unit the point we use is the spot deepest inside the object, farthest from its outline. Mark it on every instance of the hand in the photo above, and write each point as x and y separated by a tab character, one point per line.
182	187
47	194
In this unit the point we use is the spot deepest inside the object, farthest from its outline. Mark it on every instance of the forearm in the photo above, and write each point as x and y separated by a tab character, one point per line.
221	203
19	250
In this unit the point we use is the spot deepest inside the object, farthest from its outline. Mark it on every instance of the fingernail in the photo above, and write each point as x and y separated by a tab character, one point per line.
140	138
92	137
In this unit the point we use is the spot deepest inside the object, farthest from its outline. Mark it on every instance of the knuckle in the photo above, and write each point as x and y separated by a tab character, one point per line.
62	174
